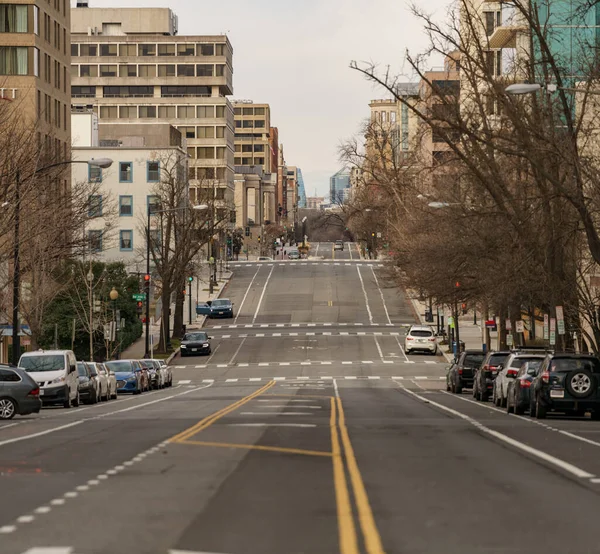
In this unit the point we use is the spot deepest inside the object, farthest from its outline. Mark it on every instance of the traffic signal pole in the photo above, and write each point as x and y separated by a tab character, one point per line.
190	279
147	285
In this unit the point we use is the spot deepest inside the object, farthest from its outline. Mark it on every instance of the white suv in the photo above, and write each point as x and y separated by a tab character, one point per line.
420	338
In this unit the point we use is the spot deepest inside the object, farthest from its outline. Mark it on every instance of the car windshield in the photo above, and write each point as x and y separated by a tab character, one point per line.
473	359
81	369
195	337
43	362
518	361
120	366
420	333
220	303
573	364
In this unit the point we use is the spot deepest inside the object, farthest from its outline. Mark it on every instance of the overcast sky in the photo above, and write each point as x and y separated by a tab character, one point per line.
294	55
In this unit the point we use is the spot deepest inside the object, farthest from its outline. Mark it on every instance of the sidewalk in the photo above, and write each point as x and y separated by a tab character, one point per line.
471	334
137	349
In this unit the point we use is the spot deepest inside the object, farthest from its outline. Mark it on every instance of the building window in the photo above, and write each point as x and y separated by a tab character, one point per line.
127	112
220	49
128	92
259	147
191	151
206	50
94	174
108	49
108	112
88	50
185	70
220	152
220	112
36	62
220	71
206	132
185	112
36	20
146	70
95	205
13	18
13	60
167	70
166	49
88	70
166	112
187	132
126	241
259	123
171	91
153	204
127	71
204	70
205	112
83	92
108	71
220	132
127	50
153	172
126	206
186	50
248	124
125	172
147	111
147	49
206	153
95	241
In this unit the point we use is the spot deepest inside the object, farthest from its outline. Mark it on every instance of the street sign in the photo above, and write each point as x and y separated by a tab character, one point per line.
508	325
520	326
490	324
560	318
379	235
552	331
451	322
546	327
509	340
139	296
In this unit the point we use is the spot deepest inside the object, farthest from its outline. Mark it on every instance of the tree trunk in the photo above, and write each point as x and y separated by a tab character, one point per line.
164	343
179	316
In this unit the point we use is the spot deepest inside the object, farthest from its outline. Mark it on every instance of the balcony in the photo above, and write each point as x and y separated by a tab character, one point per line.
505	35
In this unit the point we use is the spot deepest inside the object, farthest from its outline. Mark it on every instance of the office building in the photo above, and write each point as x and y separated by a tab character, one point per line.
252	134
130	66
338	183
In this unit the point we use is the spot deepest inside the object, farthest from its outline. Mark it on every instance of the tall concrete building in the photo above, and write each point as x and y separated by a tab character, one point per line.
252	134
338	183
131	67
34	64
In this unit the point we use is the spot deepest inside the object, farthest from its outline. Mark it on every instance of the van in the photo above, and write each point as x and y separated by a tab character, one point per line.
55	372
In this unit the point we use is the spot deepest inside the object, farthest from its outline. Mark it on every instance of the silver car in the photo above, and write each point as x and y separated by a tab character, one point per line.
109	375
19	393
99	374
509	371
167	371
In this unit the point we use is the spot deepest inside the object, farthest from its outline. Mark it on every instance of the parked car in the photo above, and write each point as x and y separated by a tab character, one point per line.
203	308
88	386
128	374
460	373
509	371
420	338
154	373
145	375
568	383
19	393
110	377
339	245
518	398
194	343
483	381
167	371
293	254
264	259
221	307
55	371
99	374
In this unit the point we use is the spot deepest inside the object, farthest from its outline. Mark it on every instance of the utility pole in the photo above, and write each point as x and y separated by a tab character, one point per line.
16	342
190	279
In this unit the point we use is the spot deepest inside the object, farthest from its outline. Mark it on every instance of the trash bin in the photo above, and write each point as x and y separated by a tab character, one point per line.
461	346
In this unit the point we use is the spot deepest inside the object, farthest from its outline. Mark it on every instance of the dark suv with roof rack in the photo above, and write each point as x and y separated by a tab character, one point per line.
568	383
483	382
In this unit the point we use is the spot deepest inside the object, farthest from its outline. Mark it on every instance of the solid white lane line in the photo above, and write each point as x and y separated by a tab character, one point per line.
382	298
41	433
401	349
239	310
262	295
379	348
231	362
254	379
362	283
540	454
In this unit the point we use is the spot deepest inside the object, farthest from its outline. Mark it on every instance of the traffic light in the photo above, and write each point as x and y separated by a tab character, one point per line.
258	238
190	278
247	231
464	309
147	280
183	292
140	307
229	241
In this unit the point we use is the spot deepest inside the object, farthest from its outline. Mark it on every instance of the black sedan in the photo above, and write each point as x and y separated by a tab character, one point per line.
195	343
518	398
88	391
222	307
461	372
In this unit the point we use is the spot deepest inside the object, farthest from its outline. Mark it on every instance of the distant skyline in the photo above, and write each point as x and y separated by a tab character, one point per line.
296	55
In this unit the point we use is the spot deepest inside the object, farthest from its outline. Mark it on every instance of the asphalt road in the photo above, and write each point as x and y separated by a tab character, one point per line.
308	430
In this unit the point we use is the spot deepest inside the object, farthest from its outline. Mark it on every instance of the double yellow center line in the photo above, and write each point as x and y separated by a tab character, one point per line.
346	528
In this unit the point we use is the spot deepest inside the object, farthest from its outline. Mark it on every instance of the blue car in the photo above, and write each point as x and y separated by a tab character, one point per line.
221	307
129	376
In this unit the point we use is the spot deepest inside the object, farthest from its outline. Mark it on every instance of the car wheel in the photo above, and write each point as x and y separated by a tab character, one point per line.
475	390
509	405
67	402
458	387
581	383
540	410
484	396
8	408
448	387
77	401
595	416
532	411
518	409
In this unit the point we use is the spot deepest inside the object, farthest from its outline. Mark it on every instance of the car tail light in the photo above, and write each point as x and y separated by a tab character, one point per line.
546	376
486	367
35	392
432	339
460	371
409	338
512	372
525	383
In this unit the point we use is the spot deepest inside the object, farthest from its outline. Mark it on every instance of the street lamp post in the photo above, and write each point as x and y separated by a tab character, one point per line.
198	207
304	231
16	341
114	295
